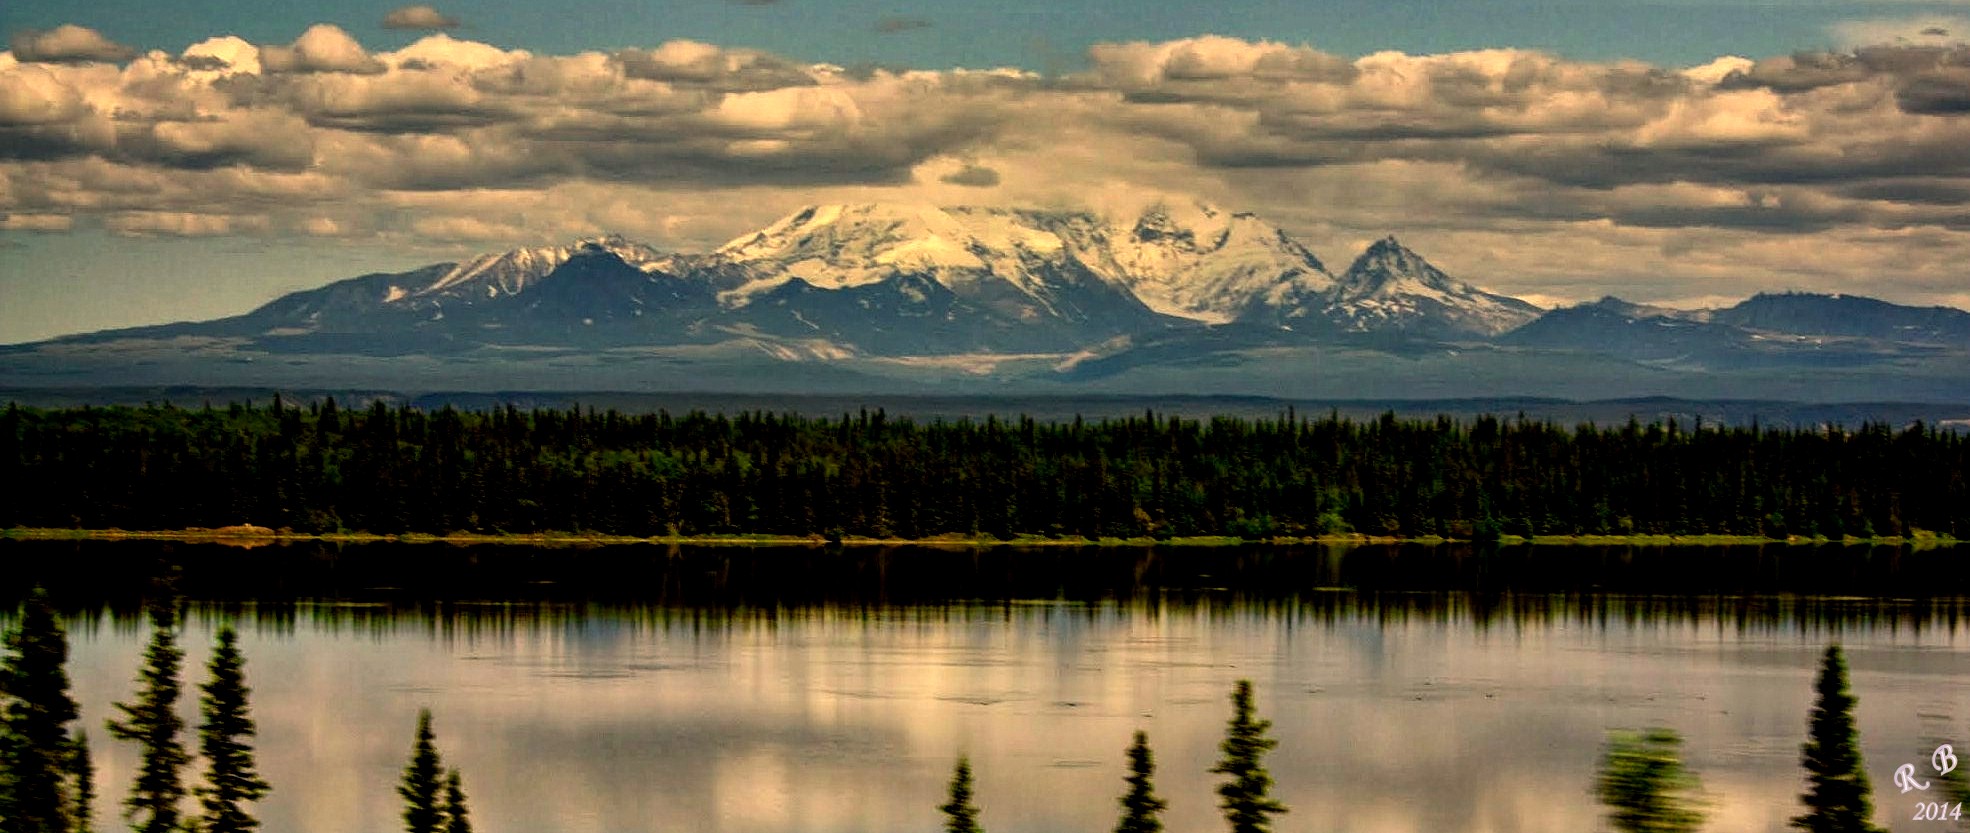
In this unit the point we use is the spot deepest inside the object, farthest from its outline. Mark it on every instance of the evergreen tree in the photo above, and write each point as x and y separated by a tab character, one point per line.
82	773
230	777
152	722
960	815
423	785
1837	794
457	818
1645	786
35	709
1247	807
1142	810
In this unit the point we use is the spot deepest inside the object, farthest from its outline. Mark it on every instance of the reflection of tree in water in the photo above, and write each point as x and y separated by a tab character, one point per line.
1820	589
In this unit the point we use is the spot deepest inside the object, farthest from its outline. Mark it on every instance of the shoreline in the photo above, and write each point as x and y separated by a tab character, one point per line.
251	536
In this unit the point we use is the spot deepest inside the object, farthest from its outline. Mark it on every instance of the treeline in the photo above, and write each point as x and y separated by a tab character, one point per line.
321	468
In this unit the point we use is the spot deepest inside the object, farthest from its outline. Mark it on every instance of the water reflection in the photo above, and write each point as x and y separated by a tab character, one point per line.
1829	586
758	691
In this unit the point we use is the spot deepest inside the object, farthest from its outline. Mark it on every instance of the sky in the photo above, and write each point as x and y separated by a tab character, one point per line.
192	159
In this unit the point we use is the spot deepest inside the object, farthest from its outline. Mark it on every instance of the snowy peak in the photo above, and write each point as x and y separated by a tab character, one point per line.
1391	287
1183	260
512	272
1199	262
1389	267
844	246
982	275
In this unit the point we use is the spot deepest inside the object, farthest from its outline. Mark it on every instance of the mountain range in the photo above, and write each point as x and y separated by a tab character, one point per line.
1179	297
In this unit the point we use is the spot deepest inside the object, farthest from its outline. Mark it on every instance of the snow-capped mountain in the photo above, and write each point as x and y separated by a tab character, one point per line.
1190	261
1198	262
917	279
1390	287
1179	297
513	272
897	280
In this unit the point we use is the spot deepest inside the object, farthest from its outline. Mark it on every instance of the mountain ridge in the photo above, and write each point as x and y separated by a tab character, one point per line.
1181	297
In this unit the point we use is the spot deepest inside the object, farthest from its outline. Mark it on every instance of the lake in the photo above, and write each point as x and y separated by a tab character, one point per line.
778	689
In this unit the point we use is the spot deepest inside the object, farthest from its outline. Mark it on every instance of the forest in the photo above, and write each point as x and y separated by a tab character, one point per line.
321	468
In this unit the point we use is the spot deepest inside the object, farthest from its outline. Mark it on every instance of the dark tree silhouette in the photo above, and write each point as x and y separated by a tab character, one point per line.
35	710
82	774
960	815
231	779
1142	810
458	818
423	784
402	469
152	722
1243	795
1837	796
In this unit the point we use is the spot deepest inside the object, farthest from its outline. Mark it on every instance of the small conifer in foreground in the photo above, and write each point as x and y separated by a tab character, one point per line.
230	777
960	815
423	784
1645	786
1142	810
1837	794
35	709
1243	796
458	819
152	722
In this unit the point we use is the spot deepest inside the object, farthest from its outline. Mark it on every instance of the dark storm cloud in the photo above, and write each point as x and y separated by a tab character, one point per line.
1941	92
972	176
419	17
898	25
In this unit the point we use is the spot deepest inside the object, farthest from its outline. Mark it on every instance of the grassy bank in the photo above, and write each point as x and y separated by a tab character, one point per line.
259	535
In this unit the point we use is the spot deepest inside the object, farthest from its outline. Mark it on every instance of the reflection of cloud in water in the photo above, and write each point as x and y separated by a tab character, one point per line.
834	722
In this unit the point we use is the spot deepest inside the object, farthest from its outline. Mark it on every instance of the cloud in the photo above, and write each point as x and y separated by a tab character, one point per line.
898	25
418	17
690	63
1544	174
322	48
972	176
180	224
67	44
36	222
1924	30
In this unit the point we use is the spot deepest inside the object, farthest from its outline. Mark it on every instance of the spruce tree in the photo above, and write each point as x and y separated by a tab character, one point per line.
1837	793
457	818
1243	795
960	815
82	774
223	734
152	722
1645	786
35	709
423	782
1142	809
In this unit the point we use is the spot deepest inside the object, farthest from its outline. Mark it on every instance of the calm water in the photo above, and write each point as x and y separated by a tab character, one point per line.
800	690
